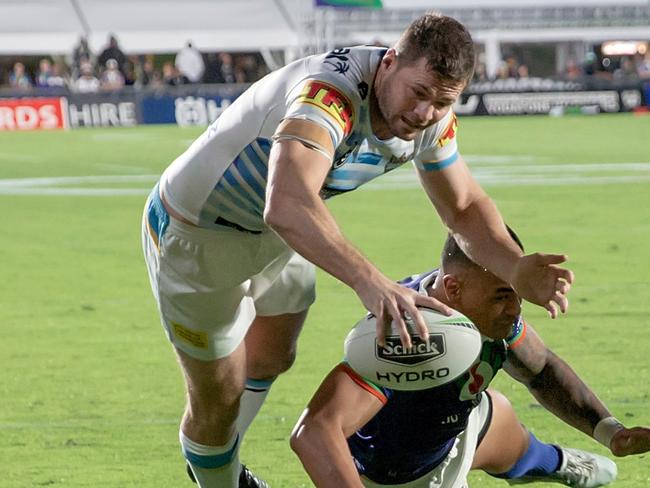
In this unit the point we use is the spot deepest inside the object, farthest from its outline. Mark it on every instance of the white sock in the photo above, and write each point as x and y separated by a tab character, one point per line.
251	401
213	466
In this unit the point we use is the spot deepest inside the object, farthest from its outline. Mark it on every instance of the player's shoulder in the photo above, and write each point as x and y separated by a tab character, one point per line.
350	69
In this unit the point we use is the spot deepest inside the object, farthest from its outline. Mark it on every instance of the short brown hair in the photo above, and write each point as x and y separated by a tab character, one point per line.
444	42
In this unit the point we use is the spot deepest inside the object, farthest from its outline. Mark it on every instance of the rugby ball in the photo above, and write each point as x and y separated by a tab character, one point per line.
454	345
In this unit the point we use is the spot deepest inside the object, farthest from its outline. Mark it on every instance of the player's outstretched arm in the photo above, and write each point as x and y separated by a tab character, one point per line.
479	229
561	391
339	408
296	212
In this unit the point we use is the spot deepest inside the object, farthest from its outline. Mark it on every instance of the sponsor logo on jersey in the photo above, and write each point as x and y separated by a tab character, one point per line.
450	132
330	100
338	60
411	376
419	352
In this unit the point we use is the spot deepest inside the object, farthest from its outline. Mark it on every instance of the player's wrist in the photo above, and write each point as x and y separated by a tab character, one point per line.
606	429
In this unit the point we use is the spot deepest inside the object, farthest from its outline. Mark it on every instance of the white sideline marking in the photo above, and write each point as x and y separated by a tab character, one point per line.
490	171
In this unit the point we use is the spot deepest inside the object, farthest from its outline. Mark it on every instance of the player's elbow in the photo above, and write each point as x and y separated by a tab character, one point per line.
277	213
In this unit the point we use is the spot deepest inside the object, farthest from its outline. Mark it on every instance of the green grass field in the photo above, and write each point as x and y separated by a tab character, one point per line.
90	394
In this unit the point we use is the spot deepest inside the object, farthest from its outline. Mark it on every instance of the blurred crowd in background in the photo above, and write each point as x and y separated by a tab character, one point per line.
85	72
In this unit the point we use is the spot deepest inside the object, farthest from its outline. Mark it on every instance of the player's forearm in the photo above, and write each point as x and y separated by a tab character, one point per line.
326	458
480	231
559	389
309	228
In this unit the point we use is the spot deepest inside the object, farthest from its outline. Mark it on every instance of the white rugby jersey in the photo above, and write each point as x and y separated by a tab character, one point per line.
223	174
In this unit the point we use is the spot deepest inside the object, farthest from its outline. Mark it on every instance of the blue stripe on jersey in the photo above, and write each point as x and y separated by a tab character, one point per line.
260	164
247	173
368	158
239	195
233	196
352	176
235	185
440	164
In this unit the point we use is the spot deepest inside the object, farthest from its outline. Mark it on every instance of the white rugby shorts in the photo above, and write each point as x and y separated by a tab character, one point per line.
453	471
210	284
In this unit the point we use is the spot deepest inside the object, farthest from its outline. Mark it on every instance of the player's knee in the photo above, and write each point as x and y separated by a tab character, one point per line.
271	366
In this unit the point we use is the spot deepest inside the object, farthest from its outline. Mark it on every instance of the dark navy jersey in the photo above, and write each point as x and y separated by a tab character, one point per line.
415	430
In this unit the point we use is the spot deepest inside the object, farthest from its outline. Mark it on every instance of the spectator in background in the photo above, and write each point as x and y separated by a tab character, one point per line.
58	78
44	73
248	69
522	71
145	72
643	66
212	66
627	70
171	76
80	54
511	66
113	51
87	82
111	78
189	62
18	78
572	71
226	70
480	73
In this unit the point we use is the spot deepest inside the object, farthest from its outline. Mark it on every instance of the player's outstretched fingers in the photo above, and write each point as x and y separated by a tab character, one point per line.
562	286
418	321
565	275
383	326
545	259
562	301
551	308
399	325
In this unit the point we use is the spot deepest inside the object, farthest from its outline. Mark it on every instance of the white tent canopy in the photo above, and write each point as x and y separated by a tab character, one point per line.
149	26
164	26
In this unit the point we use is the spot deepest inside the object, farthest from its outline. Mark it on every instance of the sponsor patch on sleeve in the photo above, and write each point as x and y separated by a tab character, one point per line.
331	100
450	131
195	338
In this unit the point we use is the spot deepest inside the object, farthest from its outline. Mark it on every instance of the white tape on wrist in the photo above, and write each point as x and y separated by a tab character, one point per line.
605	430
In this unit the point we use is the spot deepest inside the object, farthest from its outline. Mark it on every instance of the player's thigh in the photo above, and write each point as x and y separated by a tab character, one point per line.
281	310
505	440
286	286
201	280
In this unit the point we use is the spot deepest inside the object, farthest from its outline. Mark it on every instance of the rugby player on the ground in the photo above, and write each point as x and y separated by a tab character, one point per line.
355	433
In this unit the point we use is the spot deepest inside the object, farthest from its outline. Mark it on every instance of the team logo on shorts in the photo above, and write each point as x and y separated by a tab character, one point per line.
330	100
450	132
419	352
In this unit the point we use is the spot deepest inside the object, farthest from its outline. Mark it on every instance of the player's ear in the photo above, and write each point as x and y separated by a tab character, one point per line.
452	287
389	58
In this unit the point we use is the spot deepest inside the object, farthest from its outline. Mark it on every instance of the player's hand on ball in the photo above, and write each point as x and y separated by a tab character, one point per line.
630	441
389	302
538	279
